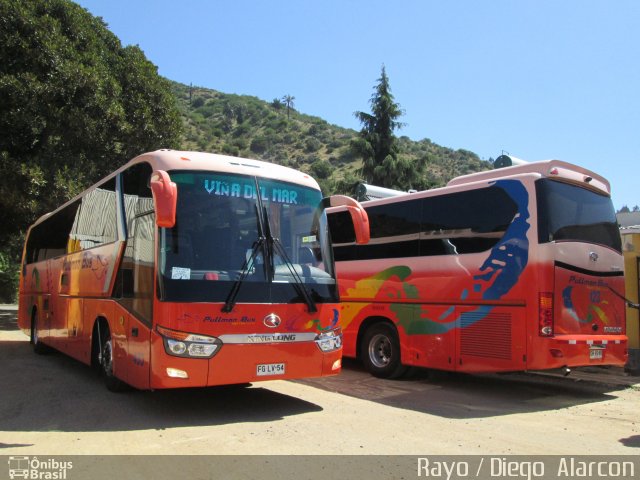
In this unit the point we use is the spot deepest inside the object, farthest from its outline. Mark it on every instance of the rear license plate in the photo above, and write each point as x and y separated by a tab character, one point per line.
267	369
596	353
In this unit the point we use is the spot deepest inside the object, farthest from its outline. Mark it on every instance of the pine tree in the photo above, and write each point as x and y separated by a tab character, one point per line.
377	145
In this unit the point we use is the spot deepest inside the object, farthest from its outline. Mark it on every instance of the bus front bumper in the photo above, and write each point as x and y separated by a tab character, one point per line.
243	363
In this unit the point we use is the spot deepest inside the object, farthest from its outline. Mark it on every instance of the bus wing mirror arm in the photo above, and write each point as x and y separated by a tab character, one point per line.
165	197
358	216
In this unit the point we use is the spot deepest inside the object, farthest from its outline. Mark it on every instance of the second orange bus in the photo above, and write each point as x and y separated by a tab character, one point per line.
513	269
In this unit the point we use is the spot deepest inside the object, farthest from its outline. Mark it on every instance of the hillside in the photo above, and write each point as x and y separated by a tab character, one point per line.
249	127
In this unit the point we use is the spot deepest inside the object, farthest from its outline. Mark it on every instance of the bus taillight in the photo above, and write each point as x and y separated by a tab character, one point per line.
545	314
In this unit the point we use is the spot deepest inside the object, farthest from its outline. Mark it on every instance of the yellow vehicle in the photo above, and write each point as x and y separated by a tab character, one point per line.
630	232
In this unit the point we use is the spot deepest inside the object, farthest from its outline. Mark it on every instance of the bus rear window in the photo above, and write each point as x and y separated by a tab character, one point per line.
572	213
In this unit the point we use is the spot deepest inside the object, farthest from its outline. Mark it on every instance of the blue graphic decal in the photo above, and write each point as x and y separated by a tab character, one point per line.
502	268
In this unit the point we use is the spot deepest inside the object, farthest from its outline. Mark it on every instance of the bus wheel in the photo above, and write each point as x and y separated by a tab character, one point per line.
38	347
112	383
380	351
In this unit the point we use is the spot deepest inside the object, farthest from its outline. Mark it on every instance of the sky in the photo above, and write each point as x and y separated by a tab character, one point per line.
538	79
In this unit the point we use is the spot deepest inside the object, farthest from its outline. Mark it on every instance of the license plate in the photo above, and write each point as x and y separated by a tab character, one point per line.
596	353
267	369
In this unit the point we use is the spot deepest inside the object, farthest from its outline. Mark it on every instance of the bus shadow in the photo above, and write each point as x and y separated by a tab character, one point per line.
56	393
462	396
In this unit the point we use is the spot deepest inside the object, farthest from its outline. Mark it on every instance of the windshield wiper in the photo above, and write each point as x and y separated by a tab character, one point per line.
268	243
246	268
298	283
261	243
275	244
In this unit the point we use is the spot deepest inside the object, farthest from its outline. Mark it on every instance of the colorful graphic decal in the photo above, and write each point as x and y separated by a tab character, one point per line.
317	322
589	297
500	272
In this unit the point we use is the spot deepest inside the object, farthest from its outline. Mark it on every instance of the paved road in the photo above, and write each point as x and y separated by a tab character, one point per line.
54	405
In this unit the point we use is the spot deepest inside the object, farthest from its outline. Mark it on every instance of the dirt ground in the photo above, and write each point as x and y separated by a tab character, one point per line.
54	405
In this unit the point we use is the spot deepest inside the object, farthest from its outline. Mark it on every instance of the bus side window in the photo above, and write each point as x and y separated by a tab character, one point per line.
50	238
95	221
465	222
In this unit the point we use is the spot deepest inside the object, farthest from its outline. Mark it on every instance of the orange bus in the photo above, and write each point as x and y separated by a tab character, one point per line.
513	269
185	269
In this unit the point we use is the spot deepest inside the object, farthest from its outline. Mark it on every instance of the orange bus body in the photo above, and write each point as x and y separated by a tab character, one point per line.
507	270
110	284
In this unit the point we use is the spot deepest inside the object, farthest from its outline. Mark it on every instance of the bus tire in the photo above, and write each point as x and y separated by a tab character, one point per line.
38	347
380	351
112	383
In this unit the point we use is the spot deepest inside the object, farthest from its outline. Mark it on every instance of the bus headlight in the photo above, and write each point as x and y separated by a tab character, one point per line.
329	341
190	345
176	347
201	350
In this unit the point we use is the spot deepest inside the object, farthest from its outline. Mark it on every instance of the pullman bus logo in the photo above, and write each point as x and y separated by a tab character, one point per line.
272	320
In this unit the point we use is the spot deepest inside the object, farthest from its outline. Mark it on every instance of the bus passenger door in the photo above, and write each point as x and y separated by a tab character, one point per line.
135	281
136	289
139	293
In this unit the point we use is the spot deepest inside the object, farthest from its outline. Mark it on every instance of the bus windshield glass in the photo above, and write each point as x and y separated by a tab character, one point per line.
271	235
571	213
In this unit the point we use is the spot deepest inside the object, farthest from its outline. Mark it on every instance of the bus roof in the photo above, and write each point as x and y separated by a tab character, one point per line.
181	160
545	168
169	160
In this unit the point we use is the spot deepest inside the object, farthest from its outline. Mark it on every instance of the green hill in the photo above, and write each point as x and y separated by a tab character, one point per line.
246	126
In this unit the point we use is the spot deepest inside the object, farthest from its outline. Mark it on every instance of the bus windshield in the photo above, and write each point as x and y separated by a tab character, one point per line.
571	213
268	234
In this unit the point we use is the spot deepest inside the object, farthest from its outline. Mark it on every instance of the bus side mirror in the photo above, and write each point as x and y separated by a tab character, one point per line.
358	216
165	196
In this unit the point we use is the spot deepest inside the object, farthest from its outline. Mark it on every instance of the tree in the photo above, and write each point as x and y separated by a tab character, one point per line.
75	106
321	169
288	101
377	145
277	104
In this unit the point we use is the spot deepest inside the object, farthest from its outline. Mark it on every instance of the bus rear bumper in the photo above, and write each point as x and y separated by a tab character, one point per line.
568	351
